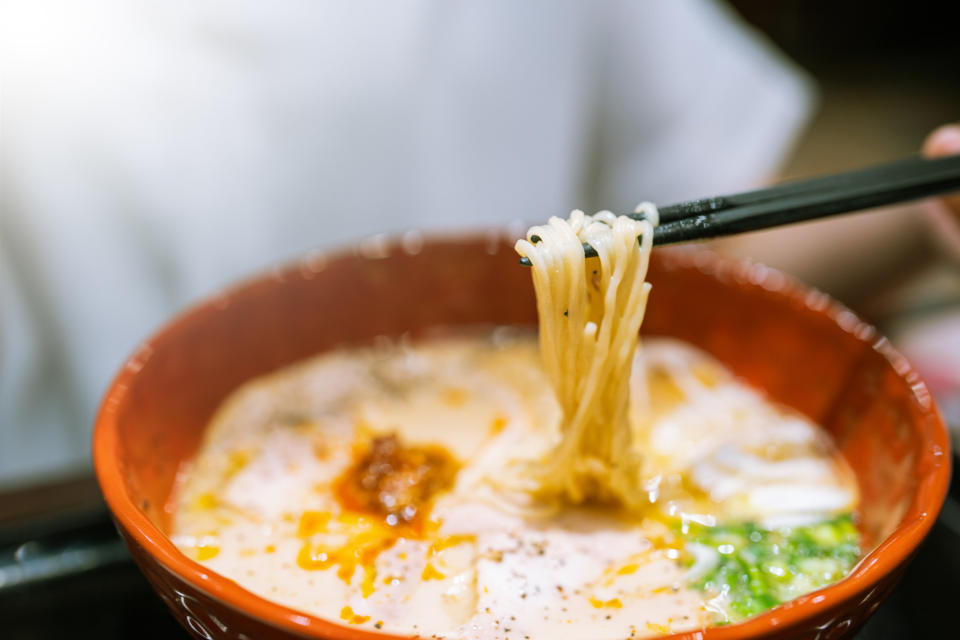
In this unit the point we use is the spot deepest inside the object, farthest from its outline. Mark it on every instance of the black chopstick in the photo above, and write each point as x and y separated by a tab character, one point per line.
790	188
801	200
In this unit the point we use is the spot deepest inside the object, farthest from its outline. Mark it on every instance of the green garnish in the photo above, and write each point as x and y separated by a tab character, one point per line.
756	569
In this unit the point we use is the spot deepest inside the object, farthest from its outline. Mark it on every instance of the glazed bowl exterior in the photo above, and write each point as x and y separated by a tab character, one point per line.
802	348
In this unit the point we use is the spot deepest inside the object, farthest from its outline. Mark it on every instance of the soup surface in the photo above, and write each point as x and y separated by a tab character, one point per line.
376	487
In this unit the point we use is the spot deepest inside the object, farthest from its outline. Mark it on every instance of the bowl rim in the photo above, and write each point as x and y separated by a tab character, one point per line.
884	559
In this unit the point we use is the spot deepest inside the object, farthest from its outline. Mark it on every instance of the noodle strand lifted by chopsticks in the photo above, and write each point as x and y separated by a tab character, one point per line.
590	314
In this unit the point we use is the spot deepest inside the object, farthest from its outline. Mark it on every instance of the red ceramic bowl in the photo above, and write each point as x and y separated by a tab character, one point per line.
805	350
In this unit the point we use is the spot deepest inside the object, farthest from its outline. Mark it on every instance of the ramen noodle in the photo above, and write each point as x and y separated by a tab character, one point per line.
590	317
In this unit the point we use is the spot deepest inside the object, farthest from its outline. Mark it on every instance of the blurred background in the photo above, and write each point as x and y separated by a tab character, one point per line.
151	153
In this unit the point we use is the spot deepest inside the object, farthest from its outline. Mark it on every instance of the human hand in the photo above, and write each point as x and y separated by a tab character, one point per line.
945	141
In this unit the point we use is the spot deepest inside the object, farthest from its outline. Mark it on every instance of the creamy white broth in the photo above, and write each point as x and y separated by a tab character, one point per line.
258	503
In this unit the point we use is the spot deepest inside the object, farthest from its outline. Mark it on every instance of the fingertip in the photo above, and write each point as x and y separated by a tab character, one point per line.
944	141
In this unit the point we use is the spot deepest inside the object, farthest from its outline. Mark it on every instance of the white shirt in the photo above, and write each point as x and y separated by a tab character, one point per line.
153	152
